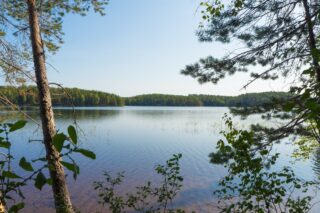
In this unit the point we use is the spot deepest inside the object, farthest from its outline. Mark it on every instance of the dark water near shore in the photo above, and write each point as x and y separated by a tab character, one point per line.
134	140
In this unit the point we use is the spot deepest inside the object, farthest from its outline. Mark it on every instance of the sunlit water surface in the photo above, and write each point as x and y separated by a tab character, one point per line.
134	140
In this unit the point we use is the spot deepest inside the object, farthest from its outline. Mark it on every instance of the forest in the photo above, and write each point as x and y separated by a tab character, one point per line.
262	155
245	100
27	96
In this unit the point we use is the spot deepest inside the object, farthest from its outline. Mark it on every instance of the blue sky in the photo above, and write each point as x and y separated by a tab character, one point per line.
139	47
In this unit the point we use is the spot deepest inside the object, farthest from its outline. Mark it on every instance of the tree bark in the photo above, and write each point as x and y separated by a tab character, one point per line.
59	186
312	38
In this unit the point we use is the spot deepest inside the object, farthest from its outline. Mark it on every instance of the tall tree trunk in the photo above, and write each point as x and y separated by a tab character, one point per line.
312	38
59	185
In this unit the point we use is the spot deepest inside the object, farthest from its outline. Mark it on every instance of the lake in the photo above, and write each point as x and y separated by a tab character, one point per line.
134	140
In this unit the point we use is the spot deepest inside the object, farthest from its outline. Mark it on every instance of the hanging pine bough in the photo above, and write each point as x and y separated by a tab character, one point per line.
281	38
278	35
253	184
12	182
300	114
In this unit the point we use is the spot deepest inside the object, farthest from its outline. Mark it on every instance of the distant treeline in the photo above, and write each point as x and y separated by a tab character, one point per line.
27	96
250	99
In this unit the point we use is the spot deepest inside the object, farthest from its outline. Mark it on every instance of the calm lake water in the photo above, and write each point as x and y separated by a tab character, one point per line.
134	140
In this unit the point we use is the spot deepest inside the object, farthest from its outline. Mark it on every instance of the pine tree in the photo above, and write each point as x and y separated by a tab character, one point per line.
278	35
36	25
282	38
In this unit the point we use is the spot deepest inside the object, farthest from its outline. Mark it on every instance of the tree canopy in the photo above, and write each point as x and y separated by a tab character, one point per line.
278	36
27	96
15	46
28	31
245	100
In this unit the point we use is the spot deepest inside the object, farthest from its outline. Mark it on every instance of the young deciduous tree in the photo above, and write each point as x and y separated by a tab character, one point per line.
28	30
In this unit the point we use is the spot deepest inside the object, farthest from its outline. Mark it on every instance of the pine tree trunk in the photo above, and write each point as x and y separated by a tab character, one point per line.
59	185
312	38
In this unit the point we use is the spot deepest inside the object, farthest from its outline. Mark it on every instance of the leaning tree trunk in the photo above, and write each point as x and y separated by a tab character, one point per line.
312	37
59	185
313	47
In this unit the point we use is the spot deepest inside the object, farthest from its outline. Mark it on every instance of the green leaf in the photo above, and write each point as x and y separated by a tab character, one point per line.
5	144
72	167
315	53
49	181
307	71
264	152
40	159
288	106
40	181
86	153
312	105
16	207
58	141
73	134
9	174
17	125
24	164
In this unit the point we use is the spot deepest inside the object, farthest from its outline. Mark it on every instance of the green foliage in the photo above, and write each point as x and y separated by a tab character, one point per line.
51	14
306	145
147	198
24	164
9	174
246	100
10	181
16	208
215	7
66	145
299	115
27	96
15	46
18	125
252	183
58	141
73	167
73	134
34	170
40	180
163	100
211	9
86	153
275	43
278	47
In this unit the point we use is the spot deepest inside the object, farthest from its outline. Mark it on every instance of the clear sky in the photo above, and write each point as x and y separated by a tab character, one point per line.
139	47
